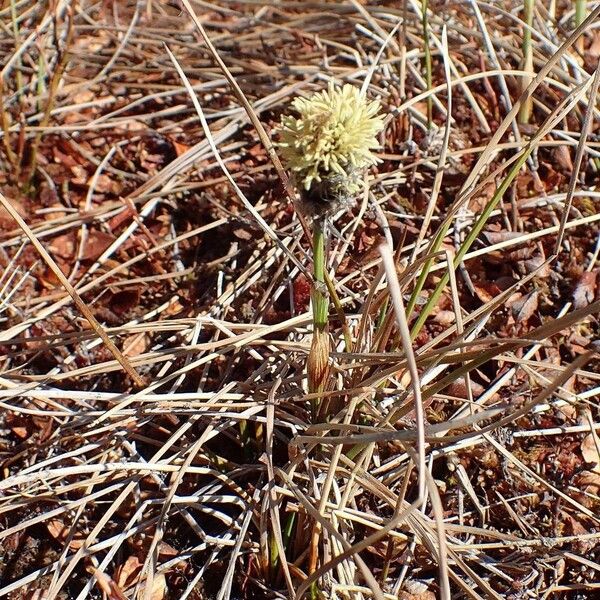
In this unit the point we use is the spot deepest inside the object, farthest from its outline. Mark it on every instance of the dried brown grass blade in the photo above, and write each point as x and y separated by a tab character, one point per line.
81	305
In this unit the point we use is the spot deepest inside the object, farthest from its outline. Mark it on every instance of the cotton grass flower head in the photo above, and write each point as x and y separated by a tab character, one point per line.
329	144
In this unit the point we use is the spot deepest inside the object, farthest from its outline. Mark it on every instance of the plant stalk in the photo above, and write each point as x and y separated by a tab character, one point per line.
317	366
525	111
580	10
428	66
320	304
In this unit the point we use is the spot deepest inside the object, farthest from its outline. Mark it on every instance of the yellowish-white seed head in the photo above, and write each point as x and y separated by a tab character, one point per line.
331	141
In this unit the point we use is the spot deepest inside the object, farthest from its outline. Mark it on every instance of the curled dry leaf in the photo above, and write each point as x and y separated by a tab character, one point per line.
159	587
589	481
60	532
445	318
458	388
563	158
128	572
586	489
96	243
585	290
590	451
524	308
136	344
19	203
63	246
594	50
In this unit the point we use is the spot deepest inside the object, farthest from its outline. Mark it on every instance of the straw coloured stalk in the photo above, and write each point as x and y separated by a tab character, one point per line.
327	146
580	10
525	110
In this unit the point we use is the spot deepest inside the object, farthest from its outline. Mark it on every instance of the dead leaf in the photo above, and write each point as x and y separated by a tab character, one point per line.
63	246
520	254
128	572
80	175
18	425
18	202
486	291
179	147
136	344
96	244
63	159
82	97
563	158
382	548
458	388
589	451
159	587
122	218
174	308
107	584
585	290
594	49
424	596
104	184
242	234
57	529
167	551
124	300
524	308
575	528
301	294
416	590
589	481
11	542
445	318
60	532
534	264
257	151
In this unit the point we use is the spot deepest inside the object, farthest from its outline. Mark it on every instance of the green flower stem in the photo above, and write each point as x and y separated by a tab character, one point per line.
579	12
319	298
317	369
